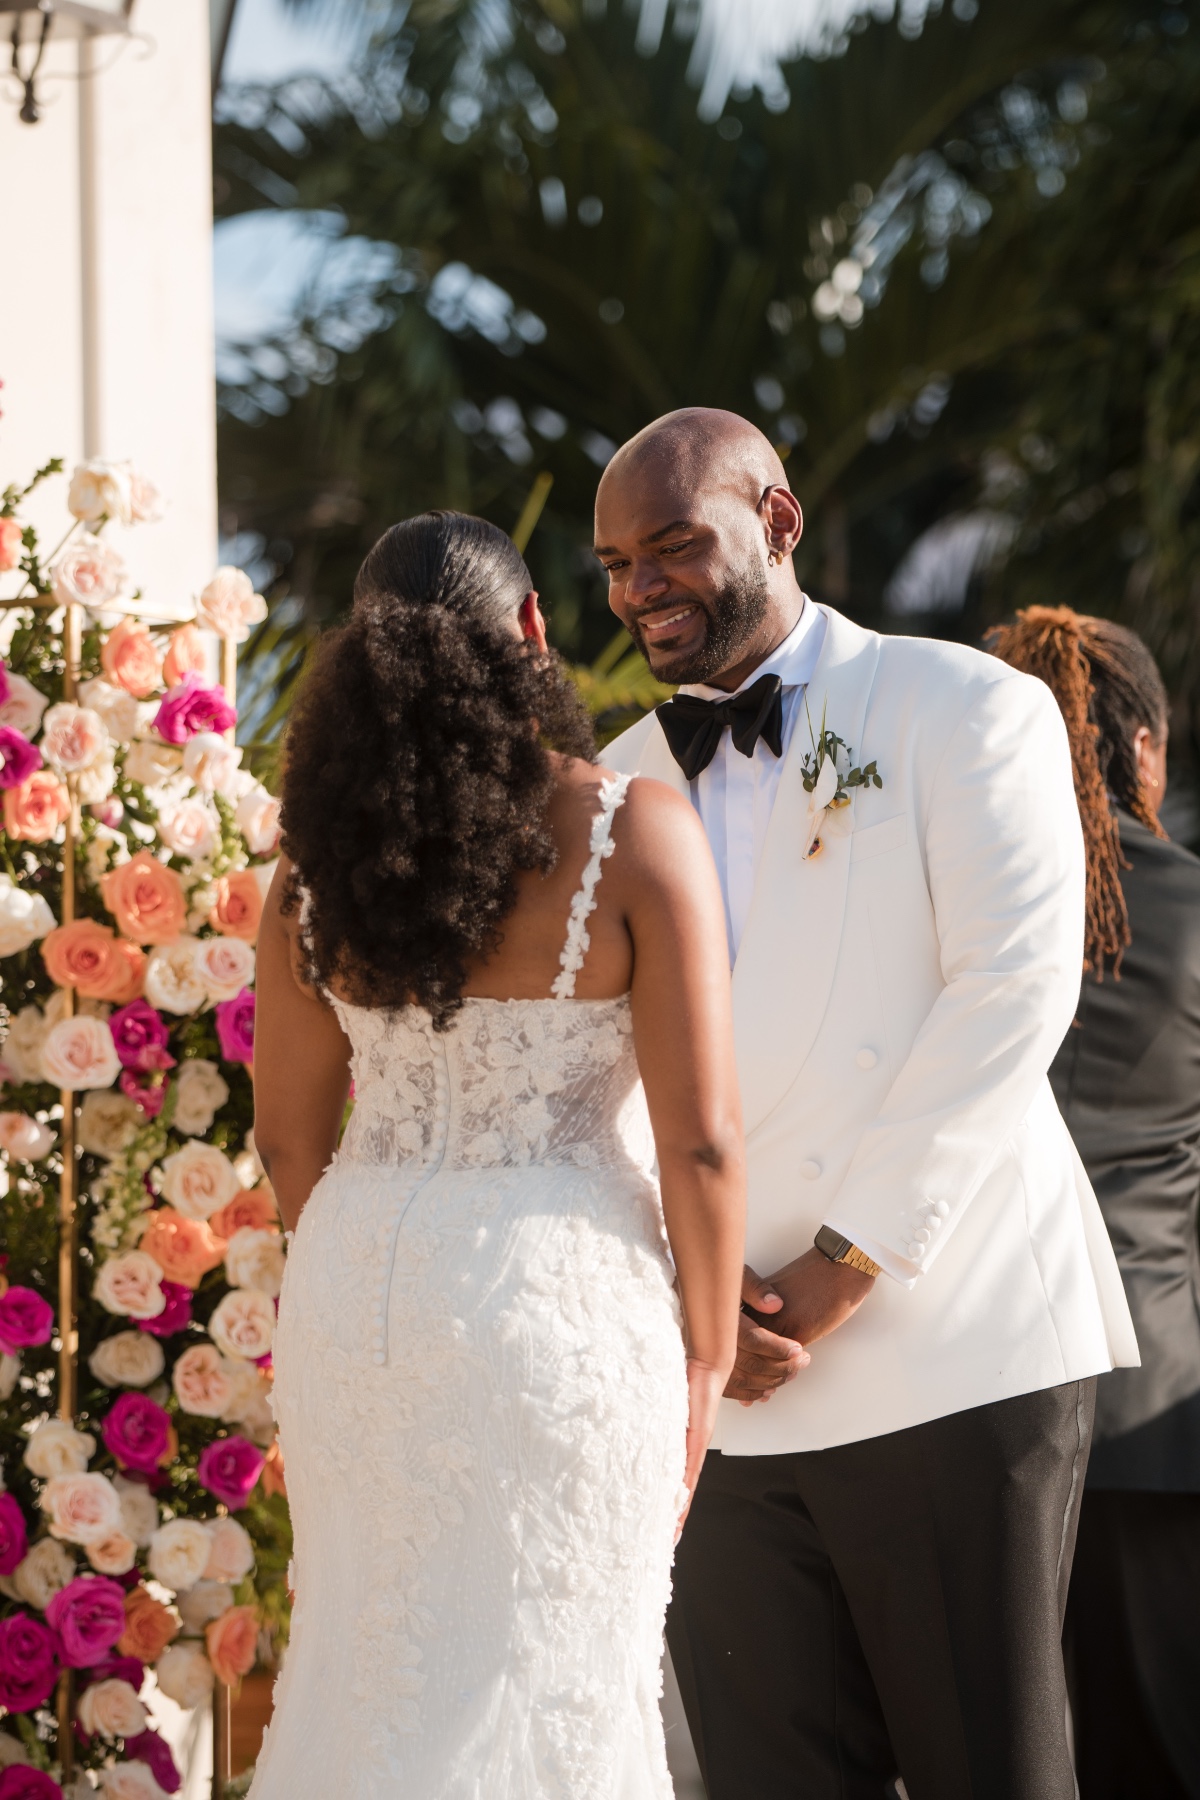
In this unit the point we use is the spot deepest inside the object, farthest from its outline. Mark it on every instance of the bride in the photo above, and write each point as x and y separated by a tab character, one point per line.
493	1406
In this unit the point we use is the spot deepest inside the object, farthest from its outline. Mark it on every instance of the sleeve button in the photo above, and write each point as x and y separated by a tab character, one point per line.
866	1059
916	1251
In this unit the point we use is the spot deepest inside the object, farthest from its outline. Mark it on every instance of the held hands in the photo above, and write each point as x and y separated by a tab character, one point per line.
802	1302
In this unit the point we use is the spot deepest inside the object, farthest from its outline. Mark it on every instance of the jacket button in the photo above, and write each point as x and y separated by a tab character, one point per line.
810	1170
916	1251
921	1237
942	1209
866	1059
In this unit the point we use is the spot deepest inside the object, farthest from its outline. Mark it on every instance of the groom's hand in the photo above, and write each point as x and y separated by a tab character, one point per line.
817	1295
765	1359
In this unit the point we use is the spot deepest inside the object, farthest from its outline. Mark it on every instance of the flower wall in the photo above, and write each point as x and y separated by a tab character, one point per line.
148	1530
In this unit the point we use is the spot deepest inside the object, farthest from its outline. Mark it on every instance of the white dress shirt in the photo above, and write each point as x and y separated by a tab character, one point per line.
735	794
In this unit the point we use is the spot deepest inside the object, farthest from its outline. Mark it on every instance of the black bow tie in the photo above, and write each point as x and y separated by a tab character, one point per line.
693	727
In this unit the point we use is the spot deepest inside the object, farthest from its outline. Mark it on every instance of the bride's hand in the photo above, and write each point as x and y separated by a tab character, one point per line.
705	1385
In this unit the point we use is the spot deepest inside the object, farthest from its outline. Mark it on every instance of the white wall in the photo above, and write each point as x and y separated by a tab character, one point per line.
150	318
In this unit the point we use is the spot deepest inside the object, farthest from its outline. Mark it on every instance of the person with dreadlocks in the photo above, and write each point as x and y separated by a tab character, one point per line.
1127	1080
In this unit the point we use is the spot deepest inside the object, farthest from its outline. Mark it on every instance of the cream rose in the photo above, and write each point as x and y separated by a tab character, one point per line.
130	1781
179	1552
79	1053
100	490
108	1122
204	1603
229	604
43	1572
202	1380
113	1555
139	1508
130	1285
23	1044
82	1508
243	1324
88	573
172	984
111	1709
93	785
254	1259
150	763
23	918
117	709
73	737
24	707
232	1556
200	1088
56	1448
128	1359
258	821
185	1674
250	1406
225	965
145	502
199	1180
211	761
26	1139
189	828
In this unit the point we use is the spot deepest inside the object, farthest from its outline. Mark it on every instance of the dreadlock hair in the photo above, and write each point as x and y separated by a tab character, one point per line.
1108	688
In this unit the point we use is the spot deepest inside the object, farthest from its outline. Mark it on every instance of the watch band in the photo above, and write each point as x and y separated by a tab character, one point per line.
842	1250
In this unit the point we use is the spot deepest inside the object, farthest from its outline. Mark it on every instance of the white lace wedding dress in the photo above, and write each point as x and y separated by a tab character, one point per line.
482	1400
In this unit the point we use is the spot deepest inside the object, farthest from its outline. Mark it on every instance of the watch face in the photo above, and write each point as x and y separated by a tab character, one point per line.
831	1244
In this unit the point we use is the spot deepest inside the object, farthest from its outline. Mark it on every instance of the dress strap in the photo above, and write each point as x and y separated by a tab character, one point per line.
612	795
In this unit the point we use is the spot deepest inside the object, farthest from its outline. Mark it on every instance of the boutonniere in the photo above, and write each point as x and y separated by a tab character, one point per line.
830	778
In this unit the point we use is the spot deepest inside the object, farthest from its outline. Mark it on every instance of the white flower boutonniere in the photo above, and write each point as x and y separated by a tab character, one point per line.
829	781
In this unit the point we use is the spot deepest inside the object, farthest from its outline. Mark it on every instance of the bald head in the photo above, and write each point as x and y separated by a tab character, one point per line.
695	525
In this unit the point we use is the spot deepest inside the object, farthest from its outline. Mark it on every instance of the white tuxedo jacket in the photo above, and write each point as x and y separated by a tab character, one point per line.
898	1000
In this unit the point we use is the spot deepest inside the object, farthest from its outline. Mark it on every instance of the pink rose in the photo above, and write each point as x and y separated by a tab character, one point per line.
89	1616
146	1091
229	604
10	544
235	1027
25	1320
232	1642
83	1509
147	1747
189	708
29	1659
26	1139
23	705
137	1432
225	965
130	1285
202	1382
88	573
78	1054
176	1314
140	1037
20	1782
73	737
18	757
14	1539
230	1468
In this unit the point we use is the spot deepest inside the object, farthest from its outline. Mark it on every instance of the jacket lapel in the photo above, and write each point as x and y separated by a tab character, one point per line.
789	949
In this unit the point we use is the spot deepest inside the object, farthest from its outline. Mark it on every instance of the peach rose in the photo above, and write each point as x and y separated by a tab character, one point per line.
87	956
113	1555
199	1180
185	1249
202	1382
238	906
83	1509
243	1323
272	1477
10	543
24	1138
149	1626
145	898
229	604
232	1551
73	737
111	1709
79	1053
185	656
255	1211
35	810
232	1642
129	659
130	1285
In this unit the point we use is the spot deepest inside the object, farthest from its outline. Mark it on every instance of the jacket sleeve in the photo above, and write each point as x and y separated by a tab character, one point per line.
1005	866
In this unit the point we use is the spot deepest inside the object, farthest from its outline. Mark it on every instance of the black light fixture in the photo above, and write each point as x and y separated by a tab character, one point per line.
35	23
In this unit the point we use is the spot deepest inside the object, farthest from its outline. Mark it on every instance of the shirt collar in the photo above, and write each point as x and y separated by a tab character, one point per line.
793	660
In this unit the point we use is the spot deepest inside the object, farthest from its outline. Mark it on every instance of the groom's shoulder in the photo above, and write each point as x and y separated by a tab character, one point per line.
955	676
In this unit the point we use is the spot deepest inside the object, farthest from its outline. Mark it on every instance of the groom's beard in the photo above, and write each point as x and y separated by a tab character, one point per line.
733	616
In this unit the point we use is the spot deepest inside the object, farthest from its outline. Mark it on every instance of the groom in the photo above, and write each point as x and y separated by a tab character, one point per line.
871	1581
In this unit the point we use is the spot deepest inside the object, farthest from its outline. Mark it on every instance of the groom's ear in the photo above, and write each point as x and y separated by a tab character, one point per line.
783	521
533	624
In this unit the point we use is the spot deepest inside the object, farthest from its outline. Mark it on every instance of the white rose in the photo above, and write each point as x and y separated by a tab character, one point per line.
179	1552
10	1369
26	1139
211	761
23	918
206	1602
108	1122
254	1259
105	850
82	1508
185	1675
13	1754
79	1053
117	709
111	1709
130	1285
113	1555
89	573
24	707
139	1508
258	821
43	1572
130	1781
189	829
232	1556
101	490
199	1180
243	1324
96	783
225	965
145	501
229	604
200	1088
150	763
129	1359
56	1448
172	984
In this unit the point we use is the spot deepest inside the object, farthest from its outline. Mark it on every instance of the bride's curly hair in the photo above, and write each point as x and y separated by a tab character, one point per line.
418	769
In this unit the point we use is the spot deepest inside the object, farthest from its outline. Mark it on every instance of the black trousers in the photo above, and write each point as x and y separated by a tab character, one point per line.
887	1608
1133	1646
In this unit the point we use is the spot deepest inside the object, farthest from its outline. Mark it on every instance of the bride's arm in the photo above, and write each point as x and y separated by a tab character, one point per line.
301	1064
683	1030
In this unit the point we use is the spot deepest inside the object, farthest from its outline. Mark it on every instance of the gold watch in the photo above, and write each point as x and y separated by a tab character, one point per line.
841	1250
